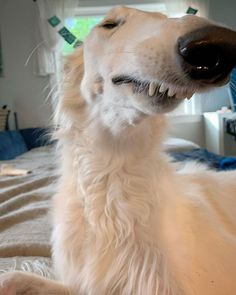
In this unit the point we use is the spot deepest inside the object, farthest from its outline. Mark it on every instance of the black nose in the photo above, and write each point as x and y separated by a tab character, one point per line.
208	54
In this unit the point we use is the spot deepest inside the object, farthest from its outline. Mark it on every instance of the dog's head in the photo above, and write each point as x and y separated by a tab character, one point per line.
139	64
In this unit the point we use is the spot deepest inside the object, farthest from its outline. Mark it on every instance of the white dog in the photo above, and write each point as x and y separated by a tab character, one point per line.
125	222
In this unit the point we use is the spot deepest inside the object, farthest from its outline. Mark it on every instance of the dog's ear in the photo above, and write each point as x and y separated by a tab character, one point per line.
73	71
73	66
71	103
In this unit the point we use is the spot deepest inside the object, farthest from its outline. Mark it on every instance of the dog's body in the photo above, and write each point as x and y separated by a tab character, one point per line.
155	231
126	221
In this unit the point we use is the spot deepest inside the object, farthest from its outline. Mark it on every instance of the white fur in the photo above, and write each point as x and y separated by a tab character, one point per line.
126	222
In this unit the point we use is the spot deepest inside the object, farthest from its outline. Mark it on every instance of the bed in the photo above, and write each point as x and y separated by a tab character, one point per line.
24	213
25	201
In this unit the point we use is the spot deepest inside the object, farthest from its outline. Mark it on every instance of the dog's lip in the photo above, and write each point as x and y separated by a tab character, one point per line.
122	79
153	88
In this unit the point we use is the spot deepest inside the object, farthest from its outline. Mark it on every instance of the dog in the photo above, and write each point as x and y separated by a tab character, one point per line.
126	222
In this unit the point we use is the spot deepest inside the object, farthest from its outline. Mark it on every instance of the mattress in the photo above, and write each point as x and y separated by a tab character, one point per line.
25	226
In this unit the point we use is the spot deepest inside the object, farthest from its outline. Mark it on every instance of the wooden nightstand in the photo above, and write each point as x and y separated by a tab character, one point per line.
216	138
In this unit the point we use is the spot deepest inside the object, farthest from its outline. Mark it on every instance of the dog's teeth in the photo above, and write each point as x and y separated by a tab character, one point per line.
171	91
189	95
152	88
163	88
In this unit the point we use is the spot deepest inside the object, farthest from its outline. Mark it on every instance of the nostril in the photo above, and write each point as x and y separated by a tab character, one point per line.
204	57
207	53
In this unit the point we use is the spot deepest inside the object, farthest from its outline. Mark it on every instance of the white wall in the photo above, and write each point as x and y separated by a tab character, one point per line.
223	11
187	127
20	88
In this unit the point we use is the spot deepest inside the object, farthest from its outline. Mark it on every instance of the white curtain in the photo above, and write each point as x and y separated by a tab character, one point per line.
47	37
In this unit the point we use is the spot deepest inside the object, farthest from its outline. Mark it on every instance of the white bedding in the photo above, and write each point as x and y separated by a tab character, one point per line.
173	144
24	213
25	207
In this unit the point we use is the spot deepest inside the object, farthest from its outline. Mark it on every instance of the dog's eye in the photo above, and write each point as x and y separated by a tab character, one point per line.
109	25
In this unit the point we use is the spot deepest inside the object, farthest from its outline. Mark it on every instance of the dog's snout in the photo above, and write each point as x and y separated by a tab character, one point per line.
208	54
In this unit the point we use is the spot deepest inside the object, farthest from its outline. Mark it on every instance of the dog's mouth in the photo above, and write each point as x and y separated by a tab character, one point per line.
154	89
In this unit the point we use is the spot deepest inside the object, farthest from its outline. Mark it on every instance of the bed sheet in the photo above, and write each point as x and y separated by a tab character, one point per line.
25	226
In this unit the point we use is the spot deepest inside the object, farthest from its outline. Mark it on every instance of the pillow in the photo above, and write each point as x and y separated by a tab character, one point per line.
35	137
12	144
179	145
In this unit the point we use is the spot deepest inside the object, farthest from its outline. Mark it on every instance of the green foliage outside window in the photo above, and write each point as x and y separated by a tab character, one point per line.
80	27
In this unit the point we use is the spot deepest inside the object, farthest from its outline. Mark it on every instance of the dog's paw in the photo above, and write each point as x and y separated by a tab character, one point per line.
18	283
8	284
25	283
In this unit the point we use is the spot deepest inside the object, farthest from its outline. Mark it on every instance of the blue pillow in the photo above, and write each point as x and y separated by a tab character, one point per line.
12	144
35	137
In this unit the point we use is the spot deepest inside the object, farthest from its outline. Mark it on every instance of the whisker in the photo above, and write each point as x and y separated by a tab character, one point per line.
32	52
52	91
48	86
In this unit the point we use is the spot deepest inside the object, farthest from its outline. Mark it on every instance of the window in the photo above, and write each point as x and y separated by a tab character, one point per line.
87	17
79	27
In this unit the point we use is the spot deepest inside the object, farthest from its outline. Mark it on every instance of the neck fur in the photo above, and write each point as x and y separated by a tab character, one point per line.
108	170
116	184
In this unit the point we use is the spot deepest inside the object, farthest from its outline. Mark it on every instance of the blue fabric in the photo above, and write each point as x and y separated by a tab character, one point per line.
214	161
35	137
12	144
228	163
232	87
17	142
